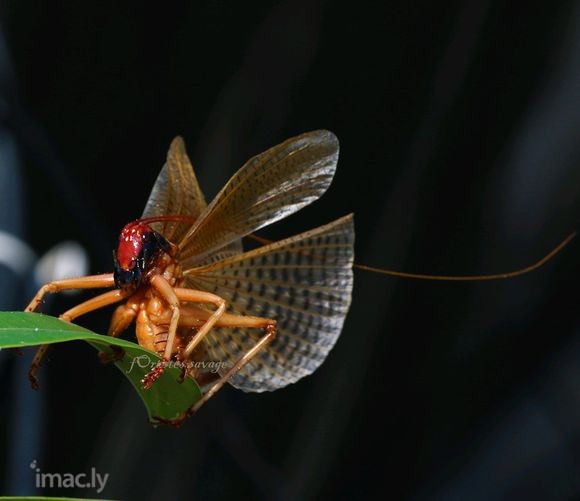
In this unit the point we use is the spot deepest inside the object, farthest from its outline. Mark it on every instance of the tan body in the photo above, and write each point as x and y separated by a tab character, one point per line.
150	310
169	320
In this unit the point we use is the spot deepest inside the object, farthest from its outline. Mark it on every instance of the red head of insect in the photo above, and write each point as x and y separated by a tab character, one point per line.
139	246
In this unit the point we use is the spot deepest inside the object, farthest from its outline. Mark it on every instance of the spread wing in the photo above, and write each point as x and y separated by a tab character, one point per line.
303	282
176	192
267	188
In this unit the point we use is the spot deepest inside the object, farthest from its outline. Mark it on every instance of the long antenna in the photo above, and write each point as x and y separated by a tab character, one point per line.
170	218
471	278
402	274
453	278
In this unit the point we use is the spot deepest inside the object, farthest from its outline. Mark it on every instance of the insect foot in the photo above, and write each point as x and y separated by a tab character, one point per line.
33	379
154	374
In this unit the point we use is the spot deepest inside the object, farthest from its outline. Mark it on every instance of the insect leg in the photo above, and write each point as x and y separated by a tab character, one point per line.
88	282
167	292
193	296
174	298
93	304
81	309
122	317
233	321
247	357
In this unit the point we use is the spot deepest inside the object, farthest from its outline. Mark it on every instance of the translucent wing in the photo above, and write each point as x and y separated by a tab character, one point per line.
303	282
267	188
176	192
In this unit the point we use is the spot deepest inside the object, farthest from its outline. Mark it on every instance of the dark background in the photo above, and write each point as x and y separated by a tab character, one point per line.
459	126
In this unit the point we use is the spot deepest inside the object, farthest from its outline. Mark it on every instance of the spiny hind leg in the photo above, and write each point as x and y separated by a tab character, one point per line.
232	321
93	304
174	297
167	292
193	296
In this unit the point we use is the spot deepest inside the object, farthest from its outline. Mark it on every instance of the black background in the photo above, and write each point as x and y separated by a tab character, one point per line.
459	126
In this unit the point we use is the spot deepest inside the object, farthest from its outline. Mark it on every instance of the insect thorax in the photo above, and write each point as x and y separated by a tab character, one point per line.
168	266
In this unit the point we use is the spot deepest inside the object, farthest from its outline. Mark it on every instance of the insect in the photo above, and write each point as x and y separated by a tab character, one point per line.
270	315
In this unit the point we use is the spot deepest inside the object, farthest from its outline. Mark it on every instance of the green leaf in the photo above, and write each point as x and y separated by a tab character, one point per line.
167	399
